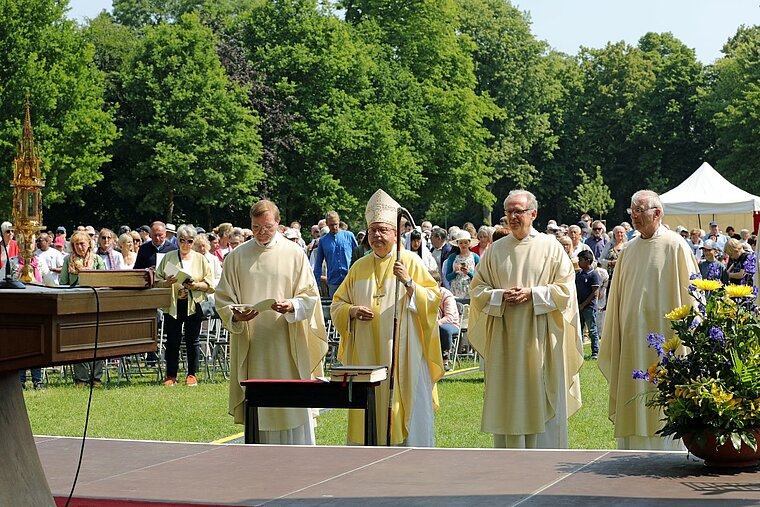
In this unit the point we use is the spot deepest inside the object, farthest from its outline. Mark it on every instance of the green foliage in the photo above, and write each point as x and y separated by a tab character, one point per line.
446	104
732	104
633	113
191	140
375	106
591	195
44	55
511	68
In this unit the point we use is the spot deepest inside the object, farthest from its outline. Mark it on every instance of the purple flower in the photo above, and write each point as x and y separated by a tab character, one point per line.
694	324
694	275
656	342
640	375
713	271
716	335
750	264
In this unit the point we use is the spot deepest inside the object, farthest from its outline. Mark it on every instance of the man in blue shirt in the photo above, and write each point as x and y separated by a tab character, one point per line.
597	241
587	287
335	249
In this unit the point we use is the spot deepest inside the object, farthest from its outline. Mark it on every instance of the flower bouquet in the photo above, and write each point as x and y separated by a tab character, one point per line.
707	377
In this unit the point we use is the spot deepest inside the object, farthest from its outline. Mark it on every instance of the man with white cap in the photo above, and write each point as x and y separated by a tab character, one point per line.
363	312
720	238
288	342
524	322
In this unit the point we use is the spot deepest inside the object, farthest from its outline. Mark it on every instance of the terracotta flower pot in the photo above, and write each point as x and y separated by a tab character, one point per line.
724	456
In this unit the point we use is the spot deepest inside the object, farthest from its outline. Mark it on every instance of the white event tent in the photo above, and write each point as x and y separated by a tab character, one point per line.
706	196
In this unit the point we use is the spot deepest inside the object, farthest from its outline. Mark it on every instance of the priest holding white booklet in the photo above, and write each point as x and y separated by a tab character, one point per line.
269	301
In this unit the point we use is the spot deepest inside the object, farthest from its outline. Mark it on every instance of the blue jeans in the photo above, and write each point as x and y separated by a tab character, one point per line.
331	289
447	332
36	376
588	318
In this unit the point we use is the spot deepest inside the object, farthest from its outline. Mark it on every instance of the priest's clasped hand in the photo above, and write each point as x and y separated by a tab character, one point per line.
361	313
282	306
517	295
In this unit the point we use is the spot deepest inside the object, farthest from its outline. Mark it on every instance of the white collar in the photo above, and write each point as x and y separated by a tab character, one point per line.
275	240
532	234
385	256
660	230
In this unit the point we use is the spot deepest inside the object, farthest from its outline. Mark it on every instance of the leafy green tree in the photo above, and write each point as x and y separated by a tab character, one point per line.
675	131
555	178
191	141
732	103
635	115
44	55
433	89
591	195
511	67
316	66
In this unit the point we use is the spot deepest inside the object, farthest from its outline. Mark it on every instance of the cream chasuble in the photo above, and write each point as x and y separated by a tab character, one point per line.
370	282
651	279
270	345
532	351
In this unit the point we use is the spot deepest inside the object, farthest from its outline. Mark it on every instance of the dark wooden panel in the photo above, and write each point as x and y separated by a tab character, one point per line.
24	340
47	327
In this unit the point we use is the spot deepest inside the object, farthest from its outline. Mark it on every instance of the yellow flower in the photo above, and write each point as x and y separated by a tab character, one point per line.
679	313
706	285
738	291
672	344
719	395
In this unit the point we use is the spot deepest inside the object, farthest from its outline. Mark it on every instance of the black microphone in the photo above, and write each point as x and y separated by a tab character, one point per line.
8	282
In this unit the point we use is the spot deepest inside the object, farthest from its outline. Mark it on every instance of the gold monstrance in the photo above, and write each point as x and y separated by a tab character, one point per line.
27	197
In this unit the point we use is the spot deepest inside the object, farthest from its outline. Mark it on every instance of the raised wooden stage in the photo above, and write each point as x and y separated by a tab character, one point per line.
138	473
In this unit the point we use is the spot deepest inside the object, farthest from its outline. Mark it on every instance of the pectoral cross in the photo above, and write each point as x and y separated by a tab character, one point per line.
377	297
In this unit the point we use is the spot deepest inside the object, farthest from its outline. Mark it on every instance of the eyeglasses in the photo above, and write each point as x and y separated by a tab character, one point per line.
186	240
380	230
266	228
638	211
516	212
105	237
597	229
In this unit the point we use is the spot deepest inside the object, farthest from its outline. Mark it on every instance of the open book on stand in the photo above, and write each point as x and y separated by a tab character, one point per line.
358	373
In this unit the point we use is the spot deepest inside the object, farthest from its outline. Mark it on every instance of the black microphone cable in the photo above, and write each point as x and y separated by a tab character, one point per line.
89	399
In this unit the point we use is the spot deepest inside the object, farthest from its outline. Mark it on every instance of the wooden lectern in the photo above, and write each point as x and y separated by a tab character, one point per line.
42	327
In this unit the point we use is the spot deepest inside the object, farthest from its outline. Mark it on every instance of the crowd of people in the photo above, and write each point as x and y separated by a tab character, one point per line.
532	296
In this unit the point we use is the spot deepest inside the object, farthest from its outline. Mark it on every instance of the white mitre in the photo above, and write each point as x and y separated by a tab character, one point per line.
381	208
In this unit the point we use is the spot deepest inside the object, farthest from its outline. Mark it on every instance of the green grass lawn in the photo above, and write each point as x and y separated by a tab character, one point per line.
141	409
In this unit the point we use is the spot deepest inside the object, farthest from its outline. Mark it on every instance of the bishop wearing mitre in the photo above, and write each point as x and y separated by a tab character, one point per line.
363	312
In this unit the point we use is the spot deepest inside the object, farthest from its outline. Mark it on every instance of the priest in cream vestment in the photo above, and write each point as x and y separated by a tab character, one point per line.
363	313
651	279
524	322
286	341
